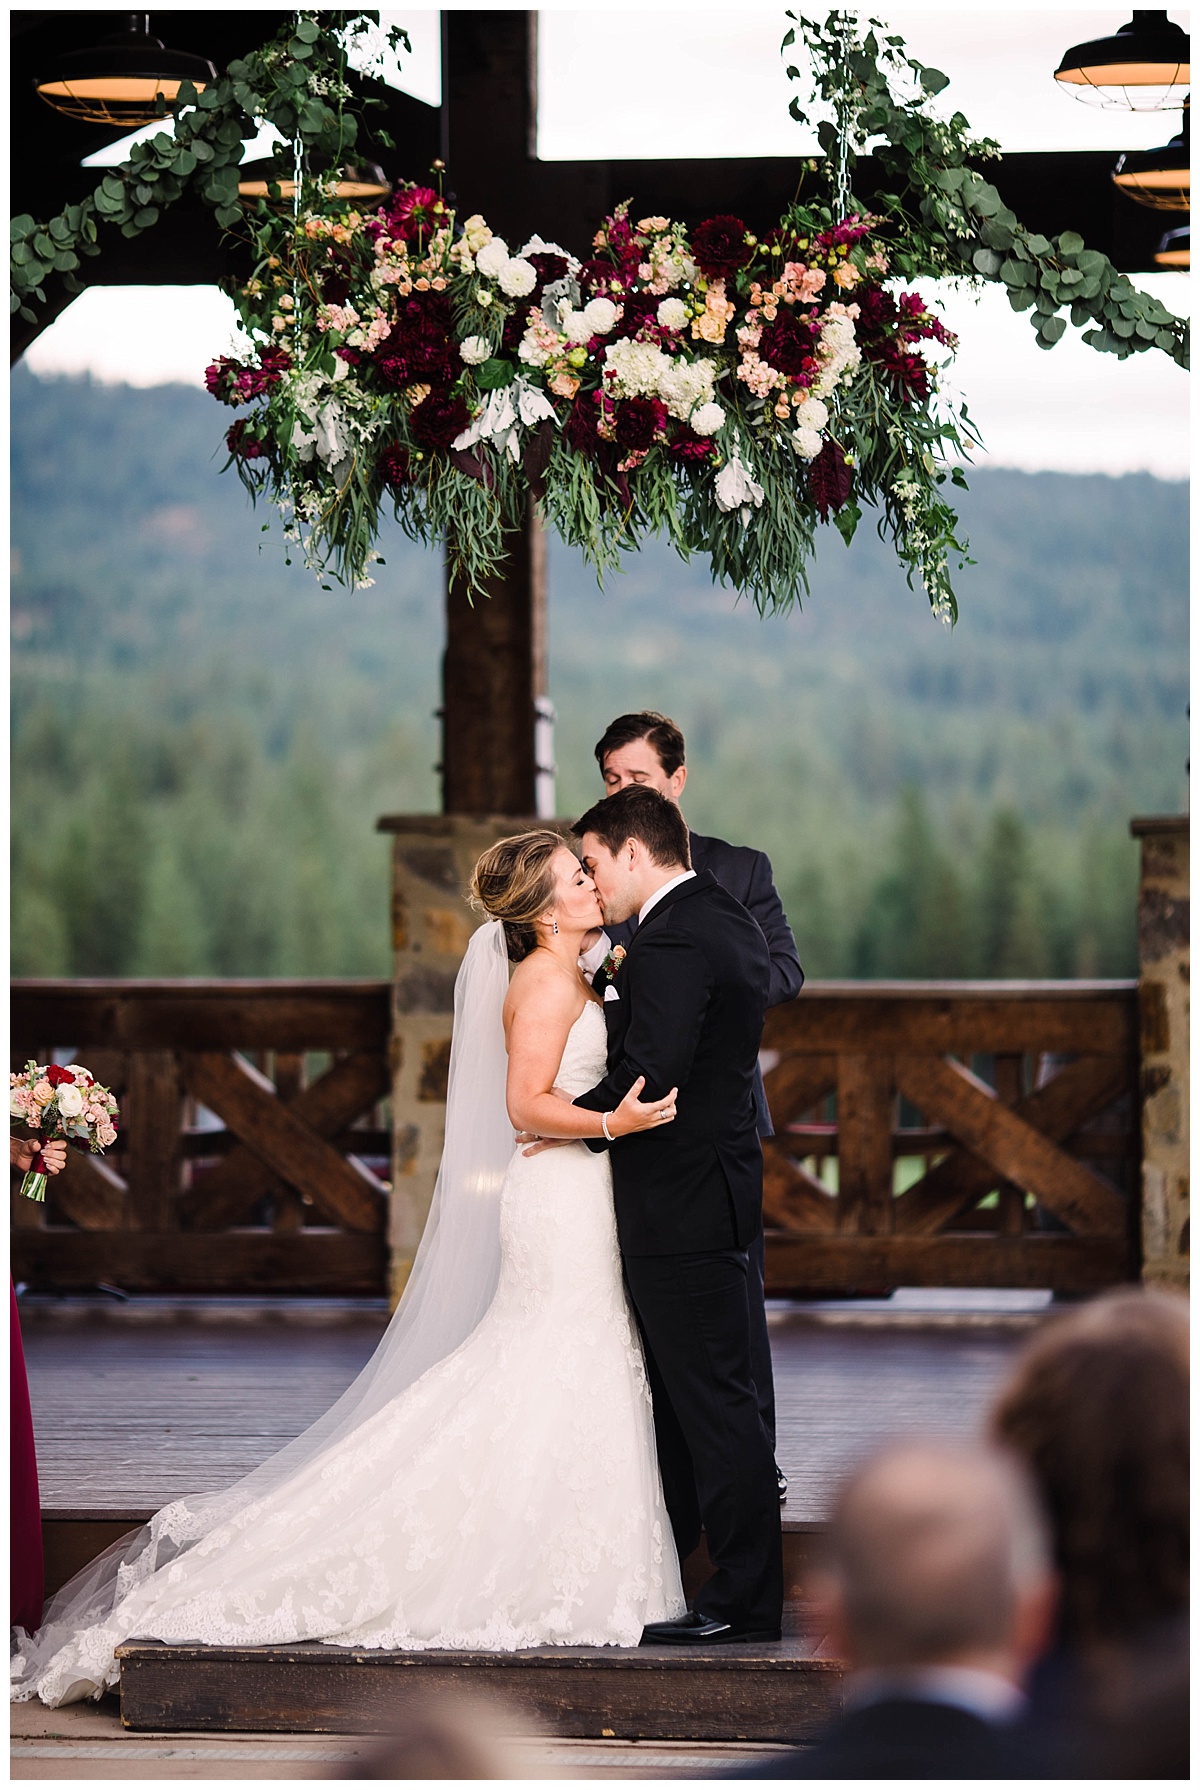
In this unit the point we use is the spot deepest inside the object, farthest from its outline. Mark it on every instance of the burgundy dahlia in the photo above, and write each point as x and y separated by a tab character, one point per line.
639	421
420	349
437	419
413	210
789	343
719	247
689	446
223	380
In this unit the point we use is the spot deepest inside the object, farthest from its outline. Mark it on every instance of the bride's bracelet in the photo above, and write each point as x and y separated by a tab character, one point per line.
604	1118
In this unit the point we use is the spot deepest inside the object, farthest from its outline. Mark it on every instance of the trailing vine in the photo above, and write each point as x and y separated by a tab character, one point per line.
944	217
297	82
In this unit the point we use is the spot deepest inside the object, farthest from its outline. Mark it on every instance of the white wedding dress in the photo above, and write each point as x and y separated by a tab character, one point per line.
508	1498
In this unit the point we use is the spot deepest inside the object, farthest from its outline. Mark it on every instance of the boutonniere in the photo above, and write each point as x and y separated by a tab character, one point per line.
613	962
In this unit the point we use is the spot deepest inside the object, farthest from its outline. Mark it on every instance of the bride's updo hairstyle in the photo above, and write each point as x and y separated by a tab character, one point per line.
513	882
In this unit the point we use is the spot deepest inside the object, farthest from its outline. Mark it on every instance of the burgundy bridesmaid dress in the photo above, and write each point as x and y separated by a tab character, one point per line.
26	1581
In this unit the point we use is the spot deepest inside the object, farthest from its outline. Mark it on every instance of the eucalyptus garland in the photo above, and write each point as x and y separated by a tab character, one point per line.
729	391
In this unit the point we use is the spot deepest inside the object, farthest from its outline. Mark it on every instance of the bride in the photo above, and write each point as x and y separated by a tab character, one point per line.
490	1480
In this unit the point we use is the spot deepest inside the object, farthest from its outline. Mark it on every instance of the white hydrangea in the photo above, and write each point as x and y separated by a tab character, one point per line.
475	350
601	315
637	367
707	419
812	414
682	385
518	278
672	313
575	327
492	258
807	443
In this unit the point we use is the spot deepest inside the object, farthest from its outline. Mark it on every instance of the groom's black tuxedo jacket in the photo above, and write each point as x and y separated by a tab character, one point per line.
690	997
746	874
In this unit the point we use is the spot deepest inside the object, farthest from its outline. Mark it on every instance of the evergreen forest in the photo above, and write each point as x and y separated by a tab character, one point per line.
203	737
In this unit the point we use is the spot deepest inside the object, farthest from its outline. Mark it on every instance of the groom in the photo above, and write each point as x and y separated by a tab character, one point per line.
684	1006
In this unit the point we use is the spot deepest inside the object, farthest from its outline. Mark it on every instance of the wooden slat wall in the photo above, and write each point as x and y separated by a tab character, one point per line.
1025	1096
275	1199
1020	1095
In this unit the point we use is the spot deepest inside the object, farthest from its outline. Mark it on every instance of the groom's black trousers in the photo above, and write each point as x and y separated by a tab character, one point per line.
717	1465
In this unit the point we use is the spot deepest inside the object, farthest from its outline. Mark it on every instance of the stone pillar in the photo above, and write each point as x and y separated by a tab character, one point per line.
433	856
1164	1003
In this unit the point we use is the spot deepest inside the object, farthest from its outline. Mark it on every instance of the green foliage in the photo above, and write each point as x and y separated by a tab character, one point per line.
297	82
944	217
203	739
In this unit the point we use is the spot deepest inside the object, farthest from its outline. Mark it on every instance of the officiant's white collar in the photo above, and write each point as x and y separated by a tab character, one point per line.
683	877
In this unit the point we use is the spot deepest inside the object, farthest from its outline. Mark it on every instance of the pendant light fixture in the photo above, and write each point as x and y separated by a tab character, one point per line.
121	80
1175	250
1160	178
358	180
1143	67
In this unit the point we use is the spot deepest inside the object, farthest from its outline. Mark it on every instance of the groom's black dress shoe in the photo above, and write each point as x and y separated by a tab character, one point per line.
697	1630
781	1482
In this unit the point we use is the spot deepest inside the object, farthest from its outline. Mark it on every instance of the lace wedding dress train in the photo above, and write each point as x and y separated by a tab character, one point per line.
509	1498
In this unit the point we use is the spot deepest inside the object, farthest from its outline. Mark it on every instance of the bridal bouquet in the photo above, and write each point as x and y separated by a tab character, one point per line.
65	1103
729	391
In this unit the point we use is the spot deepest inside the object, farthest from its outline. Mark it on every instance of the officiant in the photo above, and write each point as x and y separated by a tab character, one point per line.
648	748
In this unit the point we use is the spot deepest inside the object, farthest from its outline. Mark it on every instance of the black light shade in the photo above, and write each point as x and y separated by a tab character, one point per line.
1160	178
1175	250
359	180
1142	68
119	80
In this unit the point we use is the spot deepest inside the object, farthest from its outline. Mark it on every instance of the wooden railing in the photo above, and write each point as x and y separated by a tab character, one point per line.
253	1148
927	1134
953	1134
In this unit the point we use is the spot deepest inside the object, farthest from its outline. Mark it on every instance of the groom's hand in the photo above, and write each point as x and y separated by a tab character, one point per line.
538	1144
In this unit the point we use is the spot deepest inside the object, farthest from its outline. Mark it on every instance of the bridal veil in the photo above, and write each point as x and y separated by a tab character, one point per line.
452	1284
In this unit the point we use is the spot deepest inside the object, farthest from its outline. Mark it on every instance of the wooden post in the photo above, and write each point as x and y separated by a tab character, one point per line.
1164	965
494	671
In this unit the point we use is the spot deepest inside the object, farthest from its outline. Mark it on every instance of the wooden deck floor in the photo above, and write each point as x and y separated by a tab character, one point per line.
133	1411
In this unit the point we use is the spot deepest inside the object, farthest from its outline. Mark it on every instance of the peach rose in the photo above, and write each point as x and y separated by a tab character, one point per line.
42	1093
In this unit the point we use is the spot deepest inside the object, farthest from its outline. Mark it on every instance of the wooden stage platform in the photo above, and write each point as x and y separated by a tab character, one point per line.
139	1403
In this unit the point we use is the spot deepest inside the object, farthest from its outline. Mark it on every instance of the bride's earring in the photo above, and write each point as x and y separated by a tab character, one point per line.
554	927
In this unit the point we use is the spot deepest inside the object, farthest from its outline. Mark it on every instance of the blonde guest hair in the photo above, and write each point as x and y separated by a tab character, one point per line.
513	883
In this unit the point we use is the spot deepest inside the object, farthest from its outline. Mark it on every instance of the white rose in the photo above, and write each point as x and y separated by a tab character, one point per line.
807	443
475	350
812	414
476	234
492	257
518	278
600	314
707	419
70	1101
576	328
672	313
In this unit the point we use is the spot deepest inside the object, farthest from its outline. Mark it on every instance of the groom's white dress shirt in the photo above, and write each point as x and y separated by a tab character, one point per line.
685	876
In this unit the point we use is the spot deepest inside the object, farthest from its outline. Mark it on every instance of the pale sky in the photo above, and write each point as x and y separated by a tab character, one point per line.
605	90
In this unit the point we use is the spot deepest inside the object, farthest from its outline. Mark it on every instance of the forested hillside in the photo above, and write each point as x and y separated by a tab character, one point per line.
203	738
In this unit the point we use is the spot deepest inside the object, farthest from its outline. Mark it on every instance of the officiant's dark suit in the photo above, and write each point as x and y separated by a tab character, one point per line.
746	874
685	1009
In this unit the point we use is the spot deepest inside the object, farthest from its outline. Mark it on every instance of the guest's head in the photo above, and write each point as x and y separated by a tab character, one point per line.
440	1737
631	844
535	884
937	1555
645	749
1097	1408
